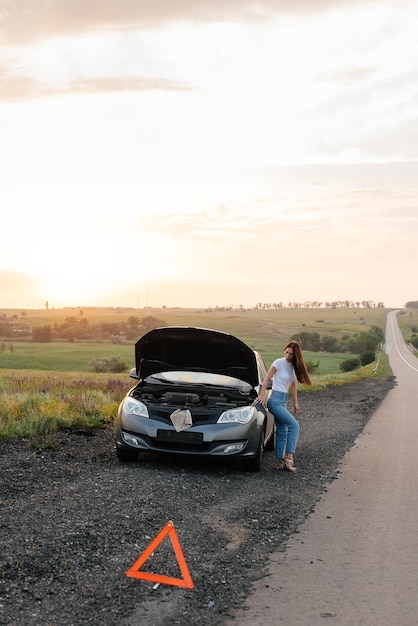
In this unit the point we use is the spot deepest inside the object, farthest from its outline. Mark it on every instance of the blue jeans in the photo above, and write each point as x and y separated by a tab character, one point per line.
287	426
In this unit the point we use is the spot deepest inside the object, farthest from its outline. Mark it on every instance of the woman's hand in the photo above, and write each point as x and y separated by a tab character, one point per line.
296	408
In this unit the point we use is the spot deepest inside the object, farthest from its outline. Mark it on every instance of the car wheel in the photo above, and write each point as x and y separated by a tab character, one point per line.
254	463
126	455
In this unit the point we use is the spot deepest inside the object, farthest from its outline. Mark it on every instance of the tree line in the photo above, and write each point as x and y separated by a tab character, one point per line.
364	341
364	344
80	329
315	304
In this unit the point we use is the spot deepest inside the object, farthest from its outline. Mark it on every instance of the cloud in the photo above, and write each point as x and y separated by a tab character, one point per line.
30	20
341	212
16	85
398	140
372	115
350	75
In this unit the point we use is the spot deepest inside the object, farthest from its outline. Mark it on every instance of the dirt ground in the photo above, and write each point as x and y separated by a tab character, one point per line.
73	520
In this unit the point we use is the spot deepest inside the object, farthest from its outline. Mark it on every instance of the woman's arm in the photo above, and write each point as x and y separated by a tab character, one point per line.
266	381
294	393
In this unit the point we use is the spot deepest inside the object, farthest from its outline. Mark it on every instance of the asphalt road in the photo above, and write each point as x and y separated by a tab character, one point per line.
354	561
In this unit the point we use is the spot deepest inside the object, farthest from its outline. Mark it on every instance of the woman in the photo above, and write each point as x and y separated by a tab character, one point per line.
285	372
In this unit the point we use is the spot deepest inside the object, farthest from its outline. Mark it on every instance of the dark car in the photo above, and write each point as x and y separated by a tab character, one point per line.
197	395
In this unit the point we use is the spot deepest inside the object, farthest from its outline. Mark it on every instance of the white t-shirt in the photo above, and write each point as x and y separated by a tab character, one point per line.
284	375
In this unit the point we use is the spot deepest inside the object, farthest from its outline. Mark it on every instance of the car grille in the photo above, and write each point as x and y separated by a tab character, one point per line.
199	415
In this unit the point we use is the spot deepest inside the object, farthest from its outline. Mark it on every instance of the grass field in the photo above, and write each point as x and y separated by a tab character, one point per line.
245	320
48	386
265	330
408	320
66	357
62	356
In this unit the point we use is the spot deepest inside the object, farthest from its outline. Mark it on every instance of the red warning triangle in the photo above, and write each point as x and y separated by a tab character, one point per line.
186	581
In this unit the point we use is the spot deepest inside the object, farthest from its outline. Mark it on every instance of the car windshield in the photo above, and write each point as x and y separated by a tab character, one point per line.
202	378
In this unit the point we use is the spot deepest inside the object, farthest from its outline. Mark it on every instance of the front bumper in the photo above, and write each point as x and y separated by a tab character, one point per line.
150	435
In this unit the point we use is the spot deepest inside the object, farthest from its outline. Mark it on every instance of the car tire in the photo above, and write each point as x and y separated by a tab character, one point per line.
126	455
255	463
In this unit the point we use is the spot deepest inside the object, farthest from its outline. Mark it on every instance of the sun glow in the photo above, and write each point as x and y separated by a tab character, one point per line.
186	155
81	268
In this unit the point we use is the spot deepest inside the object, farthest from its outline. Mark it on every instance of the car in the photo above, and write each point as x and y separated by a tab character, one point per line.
196	394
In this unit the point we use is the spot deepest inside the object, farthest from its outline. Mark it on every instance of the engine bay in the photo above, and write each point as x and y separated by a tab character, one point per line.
199	397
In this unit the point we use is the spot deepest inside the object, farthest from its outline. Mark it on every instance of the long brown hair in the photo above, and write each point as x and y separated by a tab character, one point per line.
298	363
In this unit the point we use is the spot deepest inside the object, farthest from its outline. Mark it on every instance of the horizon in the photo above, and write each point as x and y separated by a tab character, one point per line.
364	305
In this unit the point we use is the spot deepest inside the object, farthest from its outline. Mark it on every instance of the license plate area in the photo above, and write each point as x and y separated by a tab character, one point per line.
183	436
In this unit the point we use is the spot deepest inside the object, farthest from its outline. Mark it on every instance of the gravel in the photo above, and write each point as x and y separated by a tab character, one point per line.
73	520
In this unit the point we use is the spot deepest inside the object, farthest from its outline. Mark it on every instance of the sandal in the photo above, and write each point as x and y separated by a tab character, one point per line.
281	464
288	465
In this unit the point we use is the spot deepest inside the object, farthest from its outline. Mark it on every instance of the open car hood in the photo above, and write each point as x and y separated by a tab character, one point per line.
182	348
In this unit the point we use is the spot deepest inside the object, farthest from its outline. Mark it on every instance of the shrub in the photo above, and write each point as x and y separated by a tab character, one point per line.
348	365
413	339
113	364
312	366
367	357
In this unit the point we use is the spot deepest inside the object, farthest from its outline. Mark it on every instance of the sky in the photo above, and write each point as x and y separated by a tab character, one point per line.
202	153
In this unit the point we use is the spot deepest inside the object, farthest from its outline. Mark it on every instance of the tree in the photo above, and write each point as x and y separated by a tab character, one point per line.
365	341
134	323
42	334
412	304
329	344
378	333
151	322
308	341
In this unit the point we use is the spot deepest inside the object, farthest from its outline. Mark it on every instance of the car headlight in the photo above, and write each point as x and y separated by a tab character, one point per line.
134	407
242	415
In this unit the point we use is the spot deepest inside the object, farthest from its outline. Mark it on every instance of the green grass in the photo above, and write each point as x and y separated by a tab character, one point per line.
336	378
61	356
33	403
48	386
407	321
40	403
328	363
264	330
68	357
